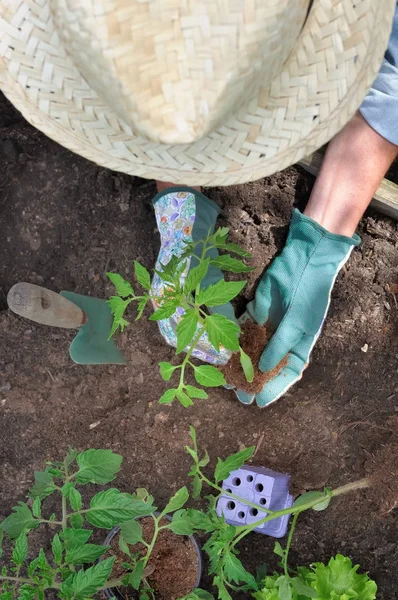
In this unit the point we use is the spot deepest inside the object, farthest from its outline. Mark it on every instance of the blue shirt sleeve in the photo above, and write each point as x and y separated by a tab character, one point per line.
380	107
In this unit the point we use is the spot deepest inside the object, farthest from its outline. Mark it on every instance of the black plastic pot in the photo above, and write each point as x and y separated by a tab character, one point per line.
116	593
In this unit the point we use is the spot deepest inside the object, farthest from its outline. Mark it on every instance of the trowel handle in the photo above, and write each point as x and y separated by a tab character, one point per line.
44	306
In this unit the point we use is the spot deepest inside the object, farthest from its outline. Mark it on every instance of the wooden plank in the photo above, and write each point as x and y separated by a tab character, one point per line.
385	199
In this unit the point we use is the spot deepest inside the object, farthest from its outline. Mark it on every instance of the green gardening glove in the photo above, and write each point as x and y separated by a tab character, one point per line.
293	298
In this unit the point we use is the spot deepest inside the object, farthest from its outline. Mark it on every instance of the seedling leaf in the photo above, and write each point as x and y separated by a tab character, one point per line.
56	547
111	507
168	396
143	276
186	329
165	311
184	398
87	553
194	392
177	501
209	376
136	575
87	582
196	275
220	293
20	551
222	331
123	287
131	531
75	499
233	462
228	263
247	365
97	466
166	370
19	521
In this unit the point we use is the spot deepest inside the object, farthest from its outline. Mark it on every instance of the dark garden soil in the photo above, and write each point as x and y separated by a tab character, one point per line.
253	340
172	569
64	222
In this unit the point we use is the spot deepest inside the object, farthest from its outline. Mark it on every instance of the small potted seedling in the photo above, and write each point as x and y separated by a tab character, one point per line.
185	298
129	564
144	551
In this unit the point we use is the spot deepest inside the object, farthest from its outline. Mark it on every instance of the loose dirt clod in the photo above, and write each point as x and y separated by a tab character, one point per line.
382	469
253	340
172	567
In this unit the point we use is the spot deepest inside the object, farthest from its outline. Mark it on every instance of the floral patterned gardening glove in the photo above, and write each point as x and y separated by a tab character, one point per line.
185	215
293	299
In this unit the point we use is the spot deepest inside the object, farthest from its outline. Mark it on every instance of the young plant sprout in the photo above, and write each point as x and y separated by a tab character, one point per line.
184	291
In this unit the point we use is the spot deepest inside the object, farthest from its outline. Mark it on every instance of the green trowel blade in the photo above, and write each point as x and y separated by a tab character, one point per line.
91	345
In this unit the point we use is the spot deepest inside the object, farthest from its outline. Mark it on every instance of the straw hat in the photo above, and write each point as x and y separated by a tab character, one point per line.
210	92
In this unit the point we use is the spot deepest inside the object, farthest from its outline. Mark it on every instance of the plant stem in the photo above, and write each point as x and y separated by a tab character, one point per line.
64	523
234	496
16	579
184	363
289	542
50	522
153	541
344	489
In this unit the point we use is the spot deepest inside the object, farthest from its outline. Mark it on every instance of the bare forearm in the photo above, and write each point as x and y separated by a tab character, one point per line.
354	165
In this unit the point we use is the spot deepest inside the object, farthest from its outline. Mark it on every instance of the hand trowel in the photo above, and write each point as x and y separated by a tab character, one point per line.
92	316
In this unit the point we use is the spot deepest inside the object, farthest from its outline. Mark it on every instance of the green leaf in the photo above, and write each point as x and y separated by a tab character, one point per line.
1	541
310	497
75	537
186	329
118	307
235	571
194	392
339	580
199	594
165	311
168	396
285	590
76	521
197	485
233	248
43	486
227	263
36	508
166	370
87	553
247	366
111	507
75	499
19	521
56	547
123	546
221	330
233	462
97	466
177	501
302	588
70	457
131	531
123	287
278	550
143	276
200	520
181	523
20	551
184	398
209	376
136	575
220	293
141	304
87	582
26	592
66	489
196	275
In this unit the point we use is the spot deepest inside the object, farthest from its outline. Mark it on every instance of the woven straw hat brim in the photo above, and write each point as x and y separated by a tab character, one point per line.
323	82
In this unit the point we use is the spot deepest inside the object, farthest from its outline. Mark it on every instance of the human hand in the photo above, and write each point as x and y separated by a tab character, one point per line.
293	298
186	215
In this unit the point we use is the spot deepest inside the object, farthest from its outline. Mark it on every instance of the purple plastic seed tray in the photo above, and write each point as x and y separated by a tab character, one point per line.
263	487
